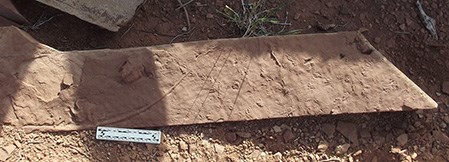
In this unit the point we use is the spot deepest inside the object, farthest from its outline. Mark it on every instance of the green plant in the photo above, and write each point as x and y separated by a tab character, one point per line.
256	20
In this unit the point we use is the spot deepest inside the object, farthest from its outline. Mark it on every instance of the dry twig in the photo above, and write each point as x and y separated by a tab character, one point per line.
180	35
185	12
183	5
127	30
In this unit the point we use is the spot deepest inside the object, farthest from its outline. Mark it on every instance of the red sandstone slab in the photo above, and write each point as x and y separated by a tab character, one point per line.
198	82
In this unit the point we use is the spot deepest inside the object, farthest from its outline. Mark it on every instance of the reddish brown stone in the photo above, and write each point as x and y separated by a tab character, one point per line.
197	82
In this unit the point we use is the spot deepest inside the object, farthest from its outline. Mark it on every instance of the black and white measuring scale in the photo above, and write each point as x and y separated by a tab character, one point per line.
128	135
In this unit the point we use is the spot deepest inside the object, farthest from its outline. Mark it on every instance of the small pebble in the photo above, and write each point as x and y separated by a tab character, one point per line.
357	153
402	27
322	147
209	16
184	29
297	16
402	139
183	145
446	119
377	40
341	149
231	137
277	129
277	156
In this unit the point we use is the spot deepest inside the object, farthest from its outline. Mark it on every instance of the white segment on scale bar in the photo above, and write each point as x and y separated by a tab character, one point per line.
128	135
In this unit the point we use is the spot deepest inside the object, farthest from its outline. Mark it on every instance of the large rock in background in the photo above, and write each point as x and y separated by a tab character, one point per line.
9	14
110	14
197	82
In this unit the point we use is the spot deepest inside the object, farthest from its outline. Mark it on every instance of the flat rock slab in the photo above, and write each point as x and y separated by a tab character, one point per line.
111	14
197	82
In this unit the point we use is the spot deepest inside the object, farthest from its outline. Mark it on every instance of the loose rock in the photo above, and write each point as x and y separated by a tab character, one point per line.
446	119
377	40
183	145
402	139
231	137
277	129
5	152
297	15
322	146
402	27
110	15
440	136
357	153
192	148
445	87
396	150
209	16
278	156
288	136
184	29
219	148
341	149
18	144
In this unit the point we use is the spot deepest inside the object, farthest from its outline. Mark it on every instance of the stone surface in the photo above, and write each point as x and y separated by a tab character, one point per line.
110	14
197	82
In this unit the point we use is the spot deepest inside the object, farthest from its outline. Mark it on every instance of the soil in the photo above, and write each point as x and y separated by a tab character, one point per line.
394	27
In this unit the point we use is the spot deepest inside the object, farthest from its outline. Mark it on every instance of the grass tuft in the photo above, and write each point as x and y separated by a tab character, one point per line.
256	20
